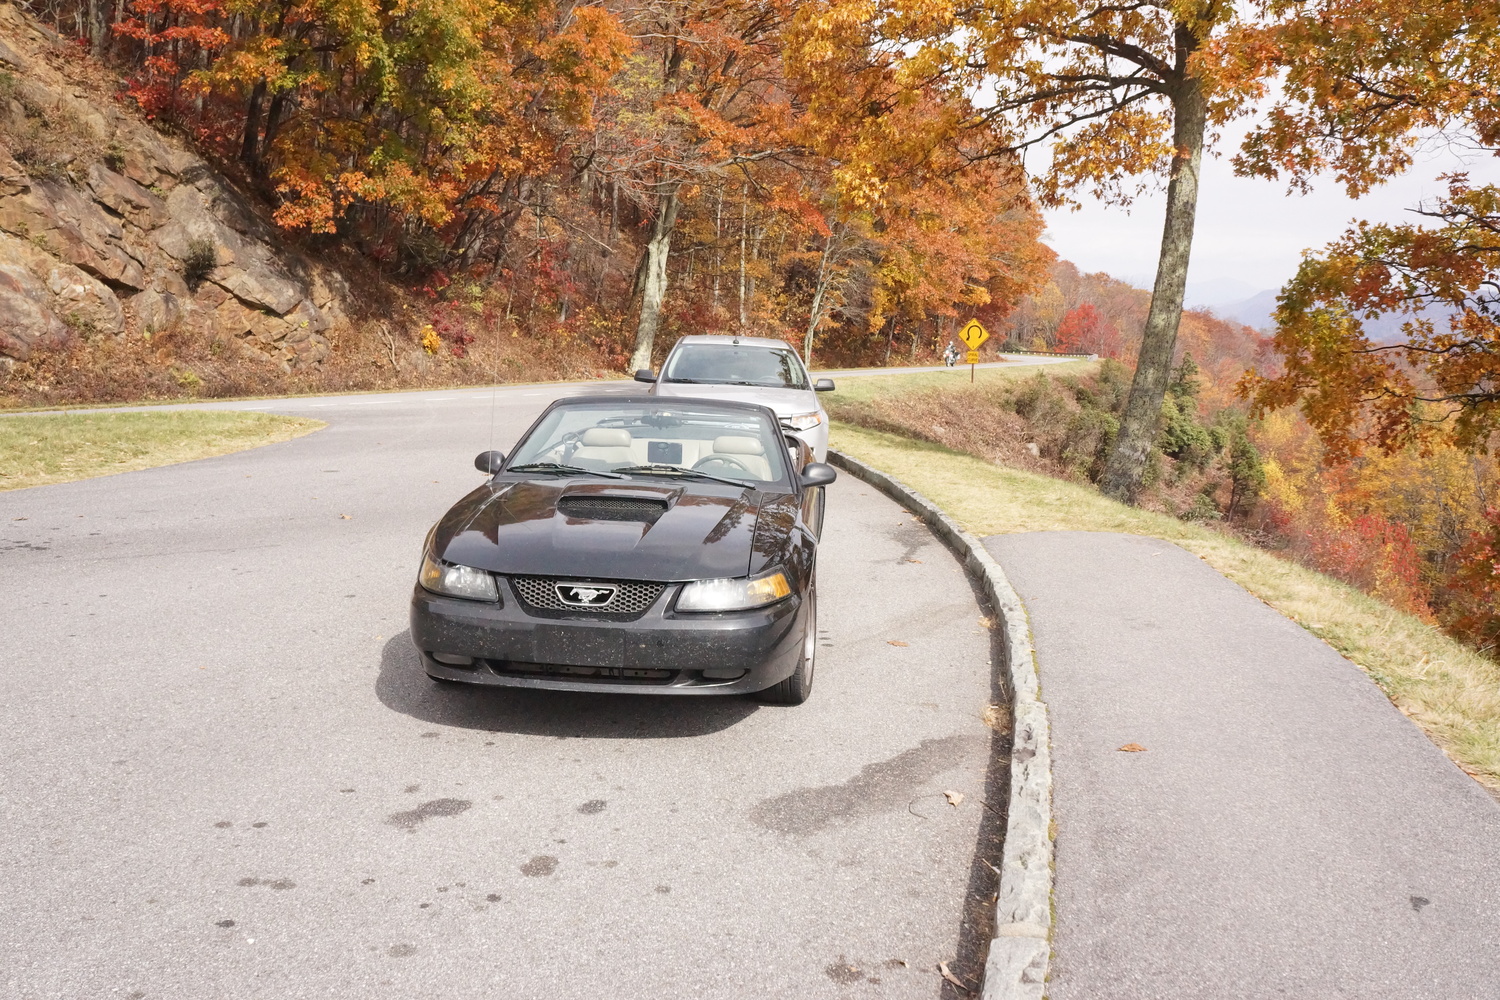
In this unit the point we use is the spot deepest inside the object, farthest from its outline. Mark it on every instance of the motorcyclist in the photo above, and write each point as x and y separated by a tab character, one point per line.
950	356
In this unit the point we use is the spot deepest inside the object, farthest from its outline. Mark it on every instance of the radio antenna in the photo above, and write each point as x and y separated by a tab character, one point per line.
494	385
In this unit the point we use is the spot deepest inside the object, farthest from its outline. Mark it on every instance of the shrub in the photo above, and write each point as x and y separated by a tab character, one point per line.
1087	441
202	257
1039	401
1182	436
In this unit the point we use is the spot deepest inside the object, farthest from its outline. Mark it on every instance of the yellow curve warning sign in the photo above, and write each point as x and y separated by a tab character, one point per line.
973	334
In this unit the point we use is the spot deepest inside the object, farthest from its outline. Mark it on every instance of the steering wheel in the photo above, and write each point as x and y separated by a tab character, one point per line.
725	460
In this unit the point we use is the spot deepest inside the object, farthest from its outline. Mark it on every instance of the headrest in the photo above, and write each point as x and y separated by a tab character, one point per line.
731	444
606	437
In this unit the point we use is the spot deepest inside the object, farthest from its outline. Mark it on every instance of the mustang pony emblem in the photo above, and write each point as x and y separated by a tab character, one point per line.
585	595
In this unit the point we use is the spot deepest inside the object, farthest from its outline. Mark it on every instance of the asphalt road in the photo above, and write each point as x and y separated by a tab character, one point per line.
226	775
1287	833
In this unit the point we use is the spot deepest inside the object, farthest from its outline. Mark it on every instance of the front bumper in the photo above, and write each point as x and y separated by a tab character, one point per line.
658	653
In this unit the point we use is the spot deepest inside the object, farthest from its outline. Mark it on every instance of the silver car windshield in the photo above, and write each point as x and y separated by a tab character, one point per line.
655	440
723	364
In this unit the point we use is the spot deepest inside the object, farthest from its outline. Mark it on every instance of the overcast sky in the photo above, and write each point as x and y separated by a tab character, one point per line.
1250	233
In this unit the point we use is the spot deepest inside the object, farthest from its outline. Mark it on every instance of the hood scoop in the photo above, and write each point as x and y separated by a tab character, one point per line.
603	507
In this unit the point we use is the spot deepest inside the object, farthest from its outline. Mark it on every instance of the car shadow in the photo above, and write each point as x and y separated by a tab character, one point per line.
403	686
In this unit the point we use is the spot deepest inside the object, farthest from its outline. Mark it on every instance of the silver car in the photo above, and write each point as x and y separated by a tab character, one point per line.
751	370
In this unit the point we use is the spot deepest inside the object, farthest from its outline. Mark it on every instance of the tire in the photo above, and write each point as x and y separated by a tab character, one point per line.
796	688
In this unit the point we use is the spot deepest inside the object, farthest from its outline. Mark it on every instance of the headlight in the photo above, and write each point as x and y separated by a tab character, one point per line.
803	421
734	595
457	581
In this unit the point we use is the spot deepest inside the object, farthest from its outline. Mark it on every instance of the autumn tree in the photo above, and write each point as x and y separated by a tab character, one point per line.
1123	93
1084	330
1441	377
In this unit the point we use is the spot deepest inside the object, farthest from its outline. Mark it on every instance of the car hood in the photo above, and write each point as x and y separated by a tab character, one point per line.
707	531
784	401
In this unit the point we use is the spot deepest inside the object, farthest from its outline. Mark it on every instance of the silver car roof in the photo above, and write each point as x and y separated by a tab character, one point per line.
730	340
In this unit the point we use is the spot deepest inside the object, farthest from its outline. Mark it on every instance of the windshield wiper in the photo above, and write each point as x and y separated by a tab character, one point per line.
677	470
568	470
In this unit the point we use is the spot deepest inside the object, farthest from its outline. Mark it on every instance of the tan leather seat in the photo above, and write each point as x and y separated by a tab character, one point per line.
746	451
604	448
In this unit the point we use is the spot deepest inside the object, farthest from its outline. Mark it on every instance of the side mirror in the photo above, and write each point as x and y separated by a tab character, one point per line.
490	462
823	385
817	474
644	375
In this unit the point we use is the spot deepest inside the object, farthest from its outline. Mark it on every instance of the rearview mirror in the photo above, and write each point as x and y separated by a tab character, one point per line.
823	385
644	375
817	474
490	462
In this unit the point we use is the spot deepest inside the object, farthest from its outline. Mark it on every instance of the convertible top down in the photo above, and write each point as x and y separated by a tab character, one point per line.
638	544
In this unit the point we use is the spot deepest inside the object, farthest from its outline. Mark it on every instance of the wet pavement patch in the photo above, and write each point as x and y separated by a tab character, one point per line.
879	787
410	819
542	864
279	884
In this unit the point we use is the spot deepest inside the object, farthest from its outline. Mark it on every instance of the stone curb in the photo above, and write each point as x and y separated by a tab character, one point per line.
1019	954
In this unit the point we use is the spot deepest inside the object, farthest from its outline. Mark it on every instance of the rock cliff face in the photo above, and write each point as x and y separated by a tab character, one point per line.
107	228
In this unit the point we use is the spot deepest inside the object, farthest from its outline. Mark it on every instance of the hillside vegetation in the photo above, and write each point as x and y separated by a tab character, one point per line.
313	197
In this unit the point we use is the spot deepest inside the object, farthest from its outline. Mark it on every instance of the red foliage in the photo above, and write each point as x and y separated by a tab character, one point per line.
1473	591
1374	554
1084	330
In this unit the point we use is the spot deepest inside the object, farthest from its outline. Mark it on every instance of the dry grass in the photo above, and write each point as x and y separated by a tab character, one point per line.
1451	691
57	448
864	388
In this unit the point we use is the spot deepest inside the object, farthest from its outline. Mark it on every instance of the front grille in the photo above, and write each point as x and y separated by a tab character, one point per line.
631	598
607	508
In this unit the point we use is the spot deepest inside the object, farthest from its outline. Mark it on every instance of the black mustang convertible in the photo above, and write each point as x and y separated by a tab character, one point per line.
635	544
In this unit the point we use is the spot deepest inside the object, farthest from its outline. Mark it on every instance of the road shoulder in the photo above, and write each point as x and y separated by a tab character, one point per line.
1284	832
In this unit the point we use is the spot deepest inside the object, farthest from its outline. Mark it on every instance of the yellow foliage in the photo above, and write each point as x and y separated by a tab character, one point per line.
430	339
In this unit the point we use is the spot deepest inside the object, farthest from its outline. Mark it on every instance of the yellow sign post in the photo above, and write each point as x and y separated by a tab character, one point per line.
973	334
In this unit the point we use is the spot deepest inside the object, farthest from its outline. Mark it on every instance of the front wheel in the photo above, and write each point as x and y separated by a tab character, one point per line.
796	688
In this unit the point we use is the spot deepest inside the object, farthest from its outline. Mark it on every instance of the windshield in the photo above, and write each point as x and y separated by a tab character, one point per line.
772	367
654	440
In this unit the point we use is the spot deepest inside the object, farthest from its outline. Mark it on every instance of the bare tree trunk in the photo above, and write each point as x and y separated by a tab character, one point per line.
1127	462
655	282
815	315
744	197
98	31
249	144
718	249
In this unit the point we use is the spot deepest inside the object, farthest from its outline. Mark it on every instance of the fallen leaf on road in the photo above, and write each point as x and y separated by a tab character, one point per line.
347	517
898	961
20	519
914	560
897	642
954	798
986	623
1132	748
943	968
